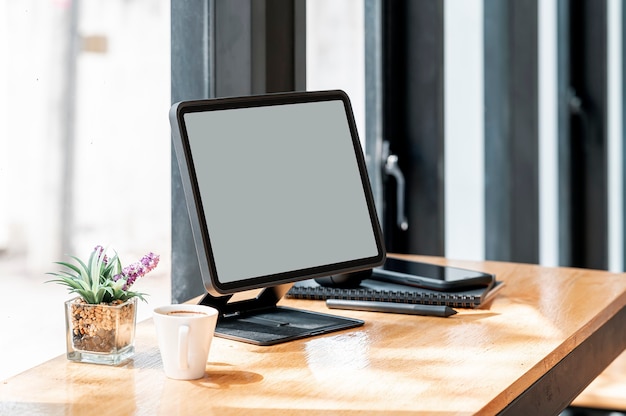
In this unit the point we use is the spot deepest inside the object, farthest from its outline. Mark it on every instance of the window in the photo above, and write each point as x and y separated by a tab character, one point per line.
84	154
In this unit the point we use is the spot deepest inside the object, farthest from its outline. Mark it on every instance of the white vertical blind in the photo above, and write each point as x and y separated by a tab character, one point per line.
548	134
614	139
464	129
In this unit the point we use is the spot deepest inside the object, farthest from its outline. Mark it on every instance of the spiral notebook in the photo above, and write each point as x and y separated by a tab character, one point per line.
375	290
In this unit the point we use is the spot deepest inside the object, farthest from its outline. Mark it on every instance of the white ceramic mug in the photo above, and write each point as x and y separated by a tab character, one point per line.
184	333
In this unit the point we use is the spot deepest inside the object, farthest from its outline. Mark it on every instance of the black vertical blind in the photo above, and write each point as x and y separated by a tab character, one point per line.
583	136
413	122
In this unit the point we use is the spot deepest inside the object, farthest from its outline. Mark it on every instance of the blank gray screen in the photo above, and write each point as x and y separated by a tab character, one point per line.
280	188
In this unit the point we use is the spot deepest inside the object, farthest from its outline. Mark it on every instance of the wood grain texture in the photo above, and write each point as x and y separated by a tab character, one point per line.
475	362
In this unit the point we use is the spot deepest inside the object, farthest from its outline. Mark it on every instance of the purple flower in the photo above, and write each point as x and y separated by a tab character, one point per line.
100	252
136	270
150	261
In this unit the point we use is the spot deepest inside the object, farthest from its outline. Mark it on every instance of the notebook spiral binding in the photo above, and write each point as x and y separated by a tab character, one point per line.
411	295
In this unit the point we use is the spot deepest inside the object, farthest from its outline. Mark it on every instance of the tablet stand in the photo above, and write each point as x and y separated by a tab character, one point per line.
260	321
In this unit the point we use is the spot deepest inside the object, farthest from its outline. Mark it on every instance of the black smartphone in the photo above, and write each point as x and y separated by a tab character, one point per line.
431	276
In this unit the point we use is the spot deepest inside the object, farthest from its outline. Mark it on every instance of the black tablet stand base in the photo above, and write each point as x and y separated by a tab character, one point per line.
260	321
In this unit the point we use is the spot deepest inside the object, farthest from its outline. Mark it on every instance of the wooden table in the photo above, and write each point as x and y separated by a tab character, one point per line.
547	334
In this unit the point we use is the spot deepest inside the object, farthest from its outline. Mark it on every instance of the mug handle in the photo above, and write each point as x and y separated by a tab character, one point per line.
183	347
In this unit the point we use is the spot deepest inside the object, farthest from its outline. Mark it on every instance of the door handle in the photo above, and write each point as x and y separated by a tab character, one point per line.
391	168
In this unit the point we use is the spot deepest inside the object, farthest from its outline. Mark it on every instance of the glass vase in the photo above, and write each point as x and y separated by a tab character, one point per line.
102	333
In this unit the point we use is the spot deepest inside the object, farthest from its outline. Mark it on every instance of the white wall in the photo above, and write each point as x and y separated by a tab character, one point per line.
121	185
4	192
32	57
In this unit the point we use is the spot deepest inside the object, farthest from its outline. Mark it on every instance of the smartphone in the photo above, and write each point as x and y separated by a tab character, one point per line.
431	276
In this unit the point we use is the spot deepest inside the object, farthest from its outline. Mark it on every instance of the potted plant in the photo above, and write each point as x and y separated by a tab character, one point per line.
100	322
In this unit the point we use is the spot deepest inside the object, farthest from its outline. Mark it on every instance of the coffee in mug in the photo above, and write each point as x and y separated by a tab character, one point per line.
185	313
